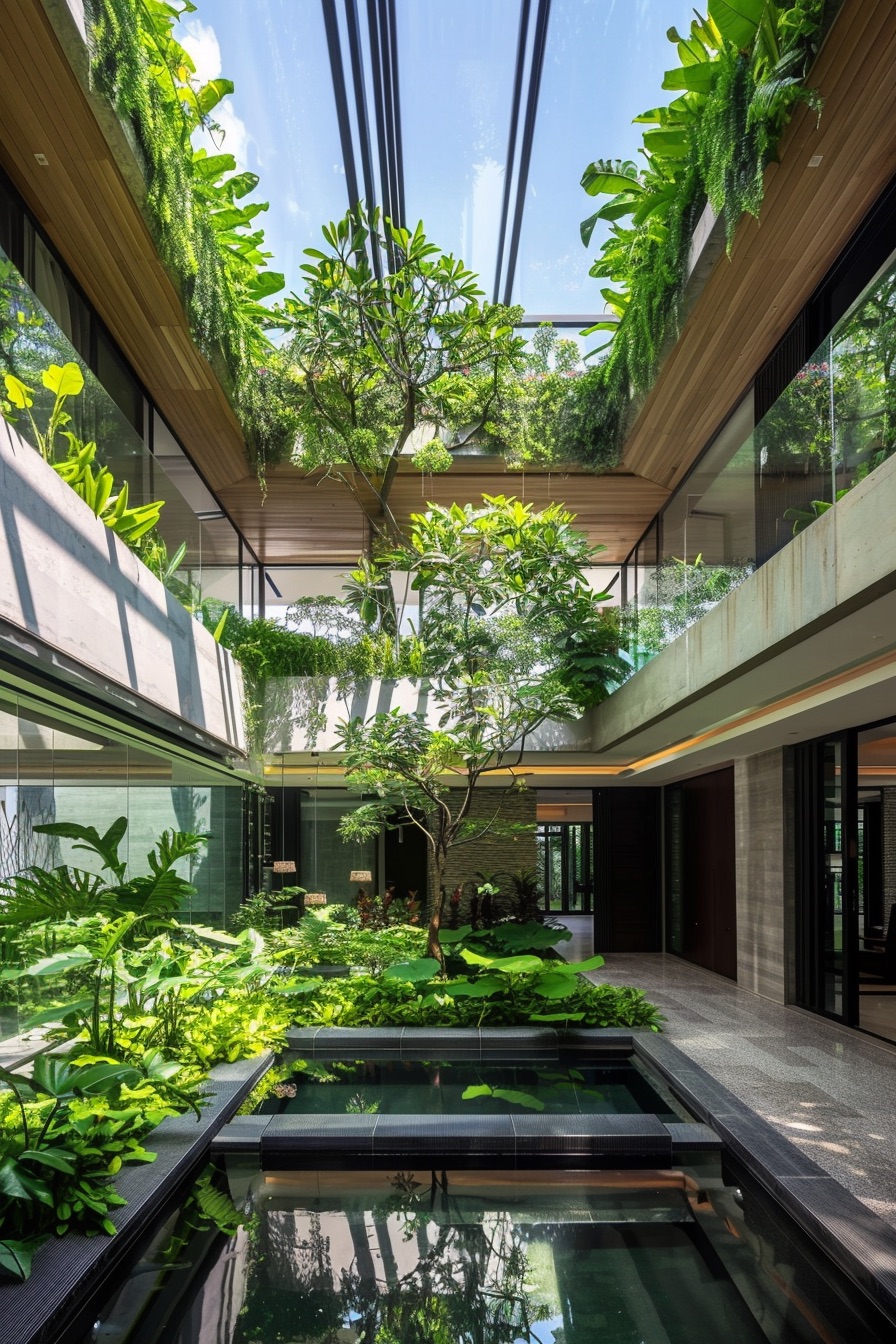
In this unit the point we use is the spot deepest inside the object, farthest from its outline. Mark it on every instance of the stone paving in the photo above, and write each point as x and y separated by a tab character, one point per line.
827	1088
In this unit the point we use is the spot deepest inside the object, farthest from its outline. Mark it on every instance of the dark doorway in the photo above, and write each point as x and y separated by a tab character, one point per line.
701	904
406	860
826	777
627	870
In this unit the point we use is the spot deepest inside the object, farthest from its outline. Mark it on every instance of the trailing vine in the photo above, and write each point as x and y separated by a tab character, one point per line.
742	74
202	225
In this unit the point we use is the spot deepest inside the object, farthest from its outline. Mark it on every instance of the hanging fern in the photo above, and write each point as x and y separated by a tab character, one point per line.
205	233
739	81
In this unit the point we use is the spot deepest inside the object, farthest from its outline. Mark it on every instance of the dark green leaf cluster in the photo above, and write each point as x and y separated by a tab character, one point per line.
741	74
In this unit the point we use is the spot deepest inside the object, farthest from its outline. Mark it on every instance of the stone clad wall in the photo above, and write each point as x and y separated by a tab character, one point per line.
763	866
494	854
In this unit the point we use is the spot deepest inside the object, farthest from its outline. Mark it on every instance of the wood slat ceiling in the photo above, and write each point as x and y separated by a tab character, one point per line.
83	201
314	518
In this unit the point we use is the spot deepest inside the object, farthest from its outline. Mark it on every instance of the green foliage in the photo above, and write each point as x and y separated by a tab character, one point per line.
333	936
40	893
740	77
205	228
94	484
264	910
381	349
682	593
488	999
432	457
64	1134
504	605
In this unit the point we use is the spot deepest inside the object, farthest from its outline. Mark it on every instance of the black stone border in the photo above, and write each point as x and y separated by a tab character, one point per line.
860	1243
71	1274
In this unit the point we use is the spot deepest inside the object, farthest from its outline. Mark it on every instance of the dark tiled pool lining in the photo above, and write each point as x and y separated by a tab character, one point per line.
857	1240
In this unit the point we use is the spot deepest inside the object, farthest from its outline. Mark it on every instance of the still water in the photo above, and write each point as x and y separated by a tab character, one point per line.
404	1087
418	1257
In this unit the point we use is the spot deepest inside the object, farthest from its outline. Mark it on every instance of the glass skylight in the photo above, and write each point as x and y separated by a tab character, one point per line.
603	64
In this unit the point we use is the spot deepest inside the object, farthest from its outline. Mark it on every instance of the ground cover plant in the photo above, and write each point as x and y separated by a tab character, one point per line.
151	1004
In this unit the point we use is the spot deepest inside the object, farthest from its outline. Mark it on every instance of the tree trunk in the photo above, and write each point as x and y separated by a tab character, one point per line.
436	902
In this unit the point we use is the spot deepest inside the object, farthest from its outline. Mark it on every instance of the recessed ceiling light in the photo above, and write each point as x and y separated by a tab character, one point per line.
42	160
815	160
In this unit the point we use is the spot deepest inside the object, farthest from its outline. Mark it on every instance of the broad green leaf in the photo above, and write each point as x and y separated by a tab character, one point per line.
18	392
423	968
60	962
476	1090
56	1158
554	986
592	964
16	1257
599	181
484	988
737	20
66	380
447	937
696	78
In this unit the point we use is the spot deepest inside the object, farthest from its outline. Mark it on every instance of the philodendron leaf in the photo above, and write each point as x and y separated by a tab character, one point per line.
64	380
16	1256
18	392
483	988
422	968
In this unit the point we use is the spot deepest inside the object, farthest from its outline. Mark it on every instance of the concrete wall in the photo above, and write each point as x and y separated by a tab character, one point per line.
302	714
764	874
74	598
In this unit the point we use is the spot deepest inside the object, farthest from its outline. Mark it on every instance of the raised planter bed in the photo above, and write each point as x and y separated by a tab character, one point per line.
72	1273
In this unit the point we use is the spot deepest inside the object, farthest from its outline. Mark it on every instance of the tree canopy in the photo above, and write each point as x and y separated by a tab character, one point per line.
391	336
507	625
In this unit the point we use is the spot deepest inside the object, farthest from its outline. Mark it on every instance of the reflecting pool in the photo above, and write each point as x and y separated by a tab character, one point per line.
406	1087
465	1257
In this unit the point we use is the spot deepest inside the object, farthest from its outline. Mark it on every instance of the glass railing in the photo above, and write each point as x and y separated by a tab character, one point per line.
759	487
197	559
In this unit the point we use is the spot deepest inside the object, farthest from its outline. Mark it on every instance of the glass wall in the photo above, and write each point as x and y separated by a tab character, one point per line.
45	320
55	771
325	861
757	487
565	850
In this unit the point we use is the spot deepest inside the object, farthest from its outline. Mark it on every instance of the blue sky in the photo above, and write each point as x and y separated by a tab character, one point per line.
604	64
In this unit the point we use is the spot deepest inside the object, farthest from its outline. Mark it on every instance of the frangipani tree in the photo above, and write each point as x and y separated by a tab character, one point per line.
505	613
385	327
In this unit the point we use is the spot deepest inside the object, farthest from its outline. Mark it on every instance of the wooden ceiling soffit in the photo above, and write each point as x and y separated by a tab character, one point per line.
86	199
807	217
312	518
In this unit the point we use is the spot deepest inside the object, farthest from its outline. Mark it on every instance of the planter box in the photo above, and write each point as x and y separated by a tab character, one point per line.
71	1274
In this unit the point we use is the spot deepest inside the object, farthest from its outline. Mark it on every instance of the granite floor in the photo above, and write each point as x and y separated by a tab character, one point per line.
829	1089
